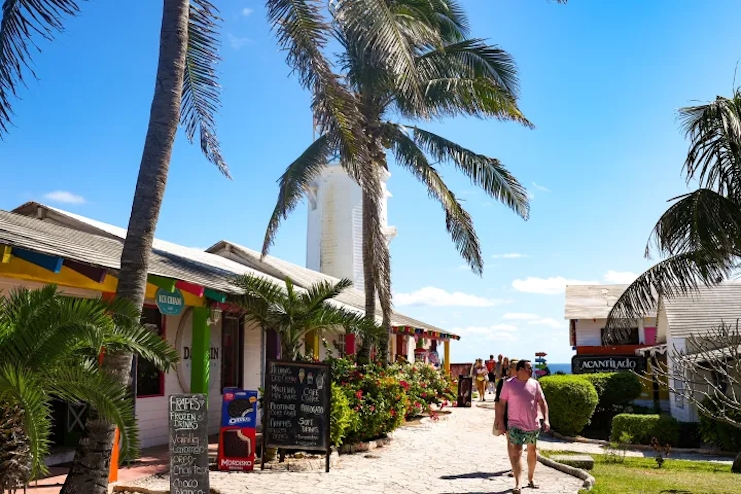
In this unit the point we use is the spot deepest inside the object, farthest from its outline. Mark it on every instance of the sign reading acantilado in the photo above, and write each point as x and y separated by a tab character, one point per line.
585	364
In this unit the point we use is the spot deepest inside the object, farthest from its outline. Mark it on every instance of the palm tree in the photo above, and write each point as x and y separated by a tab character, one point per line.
294	313
50	346
450	74
186	92
699	236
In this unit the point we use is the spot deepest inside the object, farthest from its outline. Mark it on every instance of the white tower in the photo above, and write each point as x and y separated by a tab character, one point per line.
334	235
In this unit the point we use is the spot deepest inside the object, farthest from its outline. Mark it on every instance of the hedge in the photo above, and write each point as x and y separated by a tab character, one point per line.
571	402
614	388
644	427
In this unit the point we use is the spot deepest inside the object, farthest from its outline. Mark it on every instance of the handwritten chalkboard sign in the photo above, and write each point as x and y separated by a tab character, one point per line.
188	444
297	406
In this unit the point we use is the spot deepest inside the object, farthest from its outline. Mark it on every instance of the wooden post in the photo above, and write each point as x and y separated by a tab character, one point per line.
200	351
113	470
447	356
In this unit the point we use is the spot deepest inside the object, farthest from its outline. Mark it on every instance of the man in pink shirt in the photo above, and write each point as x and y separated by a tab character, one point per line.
523	397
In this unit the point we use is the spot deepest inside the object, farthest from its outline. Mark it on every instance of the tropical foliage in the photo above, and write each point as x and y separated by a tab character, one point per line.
423	64
50	346
294	313
699	236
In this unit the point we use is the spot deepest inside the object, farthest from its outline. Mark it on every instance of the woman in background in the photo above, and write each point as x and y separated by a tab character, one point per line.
480	376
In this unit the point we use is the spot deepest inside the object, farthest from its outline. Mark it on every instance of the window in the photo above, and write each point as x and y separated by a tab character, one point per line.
150	381
628	336
339	345
232	343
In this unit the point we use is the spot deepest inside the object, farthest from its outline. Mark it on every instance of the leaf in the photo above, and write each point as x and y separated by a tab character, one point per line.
201	98
21	21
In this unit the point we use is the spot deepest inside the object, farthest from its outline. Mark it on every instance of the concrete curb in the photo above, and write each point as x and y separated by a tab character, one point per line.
641	447
567	469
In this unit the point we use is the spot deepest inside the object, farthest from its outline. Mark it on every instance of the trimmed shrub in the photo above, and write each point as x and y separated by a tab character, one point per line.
720	434
614	388
341	417
689	435
425	386
571	402
644	427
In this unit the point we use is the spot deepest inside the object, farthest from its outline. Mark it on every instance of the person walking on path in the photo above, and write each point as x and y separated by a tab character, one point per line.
480	374
500	410
523	398
491	366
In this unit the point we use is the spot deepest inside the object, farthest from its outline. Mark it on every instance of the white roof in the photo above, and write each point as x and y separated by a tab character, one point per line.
700	311
591	301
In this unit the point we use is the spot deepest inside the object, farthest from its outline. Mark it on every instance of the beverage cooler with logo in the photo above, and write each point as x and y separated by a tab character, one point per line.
237	433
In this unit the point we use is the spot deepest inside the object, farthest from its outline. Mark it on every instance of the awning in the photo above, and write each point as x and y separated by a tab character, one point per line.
422	333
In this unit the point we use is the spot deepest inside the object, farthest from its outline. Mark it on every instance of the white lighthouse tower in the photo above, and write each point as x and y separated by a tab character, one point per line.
334	235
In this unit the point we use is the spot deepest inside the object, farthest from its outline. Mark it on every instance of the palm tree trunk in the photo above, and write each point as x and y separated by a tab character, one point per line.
89	472
369	274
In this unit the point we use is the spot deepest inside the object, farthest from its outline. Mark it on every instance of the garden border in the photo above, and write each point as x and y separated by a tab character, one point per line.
569	470
642	447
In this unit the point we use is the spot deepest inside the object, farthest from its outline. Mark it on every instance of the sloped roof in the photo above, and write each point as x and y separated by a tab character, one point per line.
700	311
305	277
96	243
591	301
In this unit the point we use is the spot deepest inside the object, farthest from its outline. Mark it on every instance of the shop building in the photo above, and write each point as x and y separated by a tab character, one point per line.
41	245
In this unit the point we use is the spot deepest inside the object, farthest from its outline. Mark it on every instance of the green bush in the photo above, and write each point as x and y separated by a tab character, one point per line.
571	402
614	388
720	434
424	386
342	416
644	427
689	435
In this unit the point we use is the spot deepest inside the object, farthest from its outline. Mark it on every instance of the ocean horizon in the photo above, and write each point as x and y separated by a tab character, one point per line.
565	368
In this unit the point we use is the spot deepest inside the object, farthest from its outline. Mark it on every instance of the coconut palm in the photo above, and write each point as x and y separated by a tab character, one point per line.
699	236
452	74
50	346
187	93
293	313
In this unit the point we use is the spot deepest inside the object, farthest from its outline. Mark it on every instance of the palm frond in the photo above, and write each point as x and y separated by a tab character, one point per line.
714	132
373	25
295	182
85	382
701	220
674	276
457	220
302	32
20	386
201	98
320	292
485	172
21	21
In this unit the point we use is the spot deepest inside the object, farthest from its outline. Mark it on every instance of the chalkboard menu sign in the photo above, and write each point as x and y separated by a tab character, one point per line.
297	406
188	444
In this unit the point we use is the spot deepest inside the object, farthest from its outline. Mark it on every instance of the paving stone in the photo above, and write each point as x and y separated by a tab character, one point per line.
454	456
584	462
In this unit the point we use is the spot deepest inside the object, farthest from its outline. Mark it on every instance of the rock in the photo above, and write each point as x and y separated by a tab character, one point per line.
585	462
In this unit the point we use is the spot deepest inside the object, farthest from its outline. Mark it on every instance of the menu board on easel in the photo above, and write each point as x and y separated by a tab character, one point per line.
188	424
297	407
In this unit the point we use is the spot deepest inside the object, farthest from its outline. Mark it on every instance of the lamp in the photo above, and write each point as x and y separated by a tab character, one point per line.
215	314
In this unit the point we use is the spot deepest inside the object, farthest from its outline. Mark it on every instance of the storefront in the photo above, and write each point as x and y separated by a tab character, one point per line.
414	344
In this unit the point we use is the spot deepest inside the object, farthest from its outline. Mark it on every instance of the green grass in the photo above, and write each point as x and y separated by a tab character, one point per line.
640	476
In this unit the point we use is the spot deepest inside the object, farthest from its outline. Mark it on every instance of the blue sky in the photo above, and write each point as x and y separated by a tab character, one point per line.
600	80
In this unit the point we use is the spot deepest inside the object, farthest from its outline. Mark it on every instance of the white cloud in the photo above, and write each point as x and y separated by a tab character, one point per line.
548	321
246	12
513	255
541	187
620	277
65	197
236	42
437	297
520	316
547	286
494	332
533	319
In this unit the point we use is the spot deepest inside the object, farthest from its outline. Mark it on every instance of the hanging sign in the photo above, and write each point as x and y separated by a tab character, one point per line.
169	303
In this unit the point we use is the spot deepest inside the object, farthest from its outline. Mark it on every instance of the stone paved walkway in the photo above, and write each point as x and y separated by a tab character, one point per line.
455	455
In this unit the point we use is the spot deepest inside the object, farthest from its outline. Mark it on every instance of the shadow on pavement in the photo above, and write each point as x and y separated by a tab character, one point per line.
480	492
475	475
